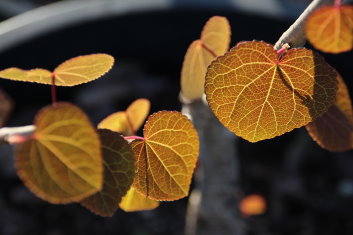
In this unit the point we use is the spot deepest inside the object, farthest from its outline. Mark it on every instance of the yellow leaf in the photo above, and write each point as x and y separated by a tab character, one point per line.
134	201
166	159
334	130
72	72
216	34
118	174
130	121
215	39
330	28
116	122
82	69
34	75
137	113
263	95
63	162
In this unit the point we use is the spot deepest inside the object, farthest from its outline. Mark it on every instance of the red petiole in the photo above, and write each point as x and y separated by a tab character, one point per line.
134	138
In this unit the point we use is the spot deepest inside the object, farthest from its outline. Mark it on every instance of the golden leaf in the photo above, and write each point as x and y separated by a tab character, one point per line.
130	121
258	94
72	72
118	174
330	28
215	39
63	162
134	201
166	159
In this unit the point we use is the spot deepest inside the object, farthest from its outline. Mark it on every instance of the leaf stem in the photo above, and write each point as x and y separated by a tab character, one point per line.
53	89
133	137
16	135
295	35
208	49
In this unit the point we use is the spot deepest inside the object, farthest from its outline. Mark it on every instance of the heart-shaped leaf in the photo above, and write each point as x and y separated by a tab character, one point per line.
334	130
72	72
130	121
166	159
215	39
258	94
330	28
135	201
118	174
63	161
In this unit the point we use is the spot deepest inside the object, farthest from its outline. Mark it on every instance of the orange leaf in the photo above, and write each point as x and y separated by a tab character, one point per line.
82	69
134	201
334	130
166	159
72	72
34	75
215	39
118	174
330	28
216	35
252	205
63	162
258	94
130	121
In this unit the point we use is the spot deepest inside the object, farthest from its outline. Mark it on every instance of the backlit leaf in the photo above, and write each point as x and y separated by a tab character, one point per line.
118	174
72	72
330	28
135	201
130	121
63	162
34	75
216	34
215	39
334	130
137	113
166	159
258	94
83	69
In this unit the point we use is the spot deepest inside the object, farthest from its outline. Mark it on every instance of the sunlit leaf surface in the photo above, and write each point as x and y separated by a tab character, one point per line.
258	94
130	121
166	159
135	201
330	28
215	39
63	162
72	72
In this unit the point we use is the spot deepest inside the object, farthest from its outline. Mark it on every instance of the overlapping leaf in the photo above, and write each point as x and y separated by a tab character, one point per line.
130	121
166	159
72	72
135	201
215	39
63	162
334	130
330	28
258	94
118	174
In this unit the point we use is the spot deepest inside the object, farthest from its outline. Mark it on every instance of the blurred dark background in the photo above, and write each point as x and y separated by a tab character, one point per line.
308	190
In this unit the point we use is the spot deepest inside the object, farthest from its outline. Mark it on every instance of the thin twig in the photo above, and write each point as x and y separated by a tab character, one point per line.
295	35
7	134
